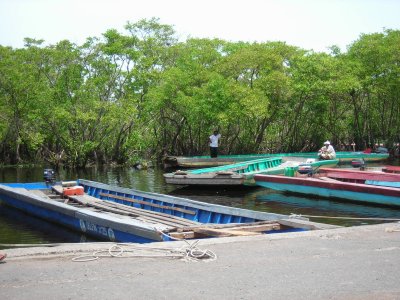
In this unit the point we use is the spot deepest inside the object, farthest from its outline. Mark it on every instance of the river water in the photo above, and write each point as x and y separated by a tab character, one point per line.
19	228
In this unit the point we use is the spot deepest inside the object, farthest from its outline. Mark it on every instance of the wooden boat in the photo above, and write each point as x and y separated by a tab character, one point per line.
354	185
347	157
329	207
360	176
242	173
207	161
391	169
126	215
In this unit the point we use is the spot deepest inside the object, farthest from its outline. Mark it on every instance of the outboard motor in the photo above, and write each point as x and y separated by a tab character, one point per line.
49	175
305	169
358	163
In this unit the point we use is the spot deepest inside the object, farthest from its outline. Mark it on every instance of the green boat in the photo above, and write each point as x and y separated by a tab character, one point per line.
242	173
207	161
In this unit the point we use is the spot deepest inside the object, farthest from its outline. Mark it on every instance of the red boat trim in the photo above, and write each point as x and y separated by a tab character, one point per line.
358	175
347	186
391	169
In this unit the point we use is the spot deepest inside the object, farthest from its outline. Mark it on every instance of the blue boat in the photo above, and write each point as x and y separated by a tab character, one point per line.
126	215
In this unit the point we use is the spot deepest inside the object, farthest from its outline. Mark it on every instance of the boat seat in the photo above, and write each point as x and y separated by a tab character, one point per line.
328	179
225	173
39	193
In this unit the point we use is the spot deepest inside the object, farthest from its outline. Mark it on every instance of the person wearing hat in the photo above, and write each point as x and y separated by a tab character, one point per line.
327	151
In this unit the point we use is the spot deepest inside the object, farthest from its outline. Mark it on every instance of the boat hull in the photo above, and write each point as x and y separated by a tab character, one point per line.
93	224
153	214
240	173
342	190
391	169
212	179
206	161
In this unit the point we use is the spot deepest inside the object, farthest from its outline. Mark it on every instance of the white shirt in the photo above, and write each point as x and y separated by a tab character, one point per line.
331	150
328	149
214	140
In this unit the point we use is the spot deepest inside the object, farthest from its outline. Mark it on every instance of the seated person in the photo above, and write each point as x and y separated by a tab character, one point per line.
382	149
327	151
368	150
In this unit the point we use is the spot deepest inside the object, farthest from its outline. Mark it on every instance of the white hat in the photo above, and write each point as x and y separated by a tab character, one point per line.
327	143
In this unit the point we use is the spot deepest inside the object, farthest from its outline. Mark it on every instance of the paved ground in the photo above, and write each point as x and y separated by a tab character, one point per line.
346	263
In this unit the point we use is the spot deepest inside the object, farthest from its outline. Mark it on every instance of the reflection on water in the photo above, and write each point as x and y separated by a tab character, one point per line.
266	200
328	208
147	180
16	227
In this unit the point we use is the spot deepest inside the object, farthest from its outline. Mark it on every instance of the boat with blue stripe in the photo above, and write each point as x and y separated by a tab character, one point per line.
376	188
242	173
344	157
127	215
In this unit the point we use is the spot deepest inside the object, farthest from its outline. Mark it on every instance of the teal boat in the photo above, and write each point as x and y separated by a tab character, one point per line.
207	161
349	185
242	173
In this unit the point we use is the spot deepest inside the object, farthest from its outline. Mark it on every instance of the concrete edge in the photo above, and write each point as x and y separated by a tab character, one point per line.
77	249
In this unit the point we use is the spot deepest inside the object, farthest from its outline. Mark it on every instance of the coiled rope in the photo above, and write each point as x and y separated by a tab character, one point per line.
188	252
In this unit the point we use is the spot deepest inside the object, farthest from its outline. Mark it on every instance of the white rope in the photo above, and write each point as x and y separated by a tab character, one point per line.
294	216
188	252
392	229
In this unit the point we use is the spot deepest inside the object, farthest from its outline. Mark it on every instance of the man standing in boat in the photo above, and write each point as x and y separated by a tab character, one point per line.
214	143
327	151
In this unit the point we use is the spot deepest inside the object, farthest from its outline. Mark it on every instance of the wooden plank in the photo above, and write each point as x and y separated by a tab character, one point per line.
230	225
223	232
39	193
186	211
183	235
177	220
199	232
328	179
359	175
121	211
68	183
144	215
259	228
57	189
103	207
152	218
236	229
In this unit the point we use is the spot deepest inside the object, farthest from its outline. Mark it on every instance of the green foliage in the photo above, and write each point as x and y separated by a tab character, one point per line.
128	96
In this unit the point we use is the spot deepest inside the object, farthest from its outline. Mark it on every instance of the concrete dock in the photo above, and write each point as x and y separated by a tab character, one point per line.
345	263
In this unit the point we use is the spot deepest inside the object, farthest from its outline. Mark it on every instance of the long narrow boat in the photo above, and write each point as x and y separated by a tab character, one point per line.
243	173
354	185
325	206
391	169
126	215
207	161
